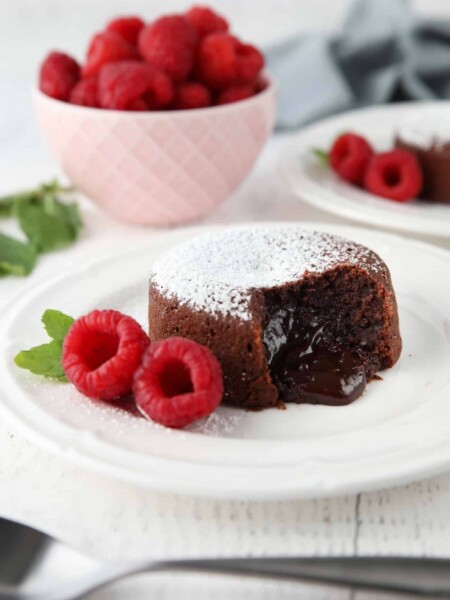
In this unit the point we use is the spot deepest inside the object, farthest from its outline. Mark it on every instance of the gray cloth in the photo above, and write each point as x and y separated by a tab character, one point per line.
383	54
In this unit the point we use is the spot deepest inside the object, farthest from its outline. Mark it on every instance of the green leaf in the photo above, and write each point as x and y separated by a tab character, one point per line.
48	223
322	156
6	207
56	324
7	202
16	258
70	214
46	359
53	187
43	360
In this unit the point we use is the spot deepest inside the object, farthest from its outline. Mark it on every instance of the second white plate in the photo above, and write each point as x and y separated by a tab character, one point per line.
320	187
398	431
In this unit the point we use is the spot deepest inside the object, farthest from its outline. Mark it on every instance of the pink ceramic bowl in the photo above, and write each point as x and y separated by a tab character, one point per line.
157	168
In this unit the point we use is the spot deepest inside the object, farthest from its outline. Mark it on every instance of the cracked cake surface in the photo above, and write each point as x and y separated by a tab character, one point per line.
217	272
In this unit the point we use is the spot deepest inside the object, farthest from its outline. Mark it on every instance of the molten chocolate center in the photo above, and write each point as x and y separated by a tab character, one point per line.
306	366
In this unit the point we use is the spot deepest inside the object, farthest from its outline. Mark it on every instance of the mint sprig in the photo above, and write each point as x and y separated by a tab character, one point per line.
6	206
48	224
16	258
43	360
56	324
322	156
46	359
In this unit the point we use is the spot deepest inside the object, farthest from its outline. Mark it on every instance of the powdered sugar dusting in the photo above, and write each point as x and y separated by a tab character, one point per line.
217	271
217	424
426	129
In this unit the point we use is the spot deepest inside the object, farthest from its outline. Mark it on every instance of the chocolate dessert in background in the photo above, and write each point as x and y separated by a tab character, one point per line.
427	136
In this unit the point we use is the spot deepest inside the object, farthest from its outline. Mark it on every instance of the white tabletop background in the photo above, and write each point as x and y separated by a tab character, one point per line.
111	520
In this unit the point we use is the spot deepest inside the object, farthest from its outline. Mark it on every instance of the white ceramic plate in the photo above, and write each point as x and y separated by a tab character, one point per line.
320	187
398	431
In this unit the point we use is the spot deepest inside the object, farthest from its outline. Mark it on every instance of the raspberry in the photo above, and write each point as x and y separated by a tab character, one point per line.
58	75
168	44
106	47
138	105
205	21
127	27
250	61
235	93
395	175
191	95
224	61
101	353
349	156
122	83
260	84
178	382
85	93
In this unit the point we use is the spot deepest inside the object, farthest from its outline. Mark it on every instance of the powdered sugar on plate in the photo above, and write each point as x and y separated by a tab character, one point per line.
219	423
426	129
217	271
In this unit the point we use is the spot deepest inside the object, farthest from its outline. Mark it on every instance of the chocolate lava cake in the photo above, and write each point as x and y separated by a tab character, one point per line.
427	135
292	315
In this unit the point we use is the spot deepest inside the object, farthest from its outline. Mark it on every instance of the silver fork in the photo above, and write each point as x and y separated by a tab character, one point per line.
23	553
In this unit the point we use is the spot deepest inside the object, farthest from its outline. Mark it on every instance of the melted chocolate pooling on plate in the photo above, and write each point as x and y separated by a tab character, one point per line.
306	367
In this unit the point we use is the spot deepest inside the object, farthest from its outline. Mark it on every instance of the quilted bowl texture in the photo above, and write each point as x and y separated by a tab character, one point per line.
157	168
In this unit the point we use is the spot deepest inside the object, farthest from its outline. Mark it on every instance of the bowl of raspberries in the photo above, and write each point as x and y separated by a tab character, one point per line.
163	120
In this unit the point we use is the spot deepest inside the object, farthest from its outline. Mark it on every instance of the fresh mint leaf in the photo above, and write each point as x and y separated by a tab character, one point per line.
70	214
16	258
7	202
43	360
6	207
52	187
322	156
56	324
48	223
46	359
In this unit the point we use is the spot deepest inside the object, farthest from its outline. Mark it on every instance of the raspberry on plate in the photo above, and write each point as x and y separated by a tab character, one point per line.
127	27
101	353
168	44
122	83
58	75
190	95
349	156
224	61
138	105
85	93
205	21
178	382
395	175
235	93
106	47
